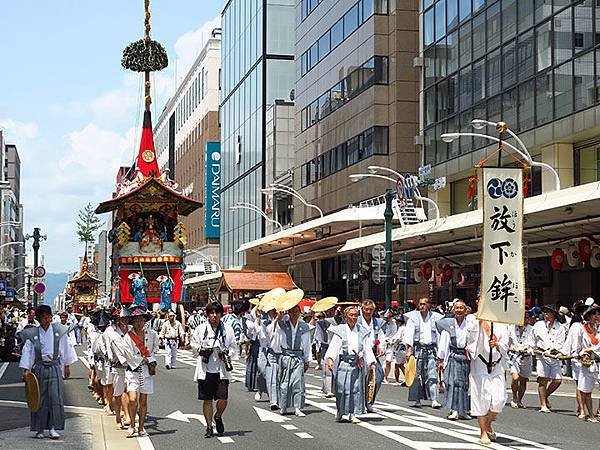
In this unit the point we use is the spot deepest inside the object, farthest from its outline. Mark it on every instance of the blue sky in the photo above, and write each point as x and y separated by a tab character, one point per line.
71	109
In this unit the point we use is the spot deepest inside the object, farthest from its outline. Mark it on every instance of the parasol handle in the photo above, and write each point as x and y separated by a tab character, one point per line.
168	272
141	268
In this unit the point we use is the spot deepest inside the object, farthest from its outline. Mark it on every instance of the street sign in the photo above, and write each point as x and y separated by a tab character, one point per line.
3	287
378	252
377	276
39	272
10	295
425	170
39	288
439	183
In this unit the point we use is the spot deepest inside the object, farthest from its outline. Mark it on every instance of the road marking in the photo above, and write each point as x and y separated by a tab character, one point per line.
303	435
182	417
145	443
67	407
84	361
289	427
405	429
268	416
453	445
3	368
225	440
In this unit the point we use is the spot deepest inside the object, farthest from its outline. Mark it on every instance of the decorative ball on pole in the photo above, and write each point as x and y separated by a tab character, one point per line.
501	127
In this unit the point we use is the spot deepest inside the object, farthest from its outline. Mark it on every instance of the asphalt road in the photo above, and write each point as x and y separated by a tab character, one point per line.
175	419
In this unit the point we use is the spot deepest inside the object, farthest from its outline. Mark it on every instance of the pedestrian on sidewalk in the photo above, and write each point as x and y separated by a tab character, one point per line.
214	344
48	353
118	362
140	346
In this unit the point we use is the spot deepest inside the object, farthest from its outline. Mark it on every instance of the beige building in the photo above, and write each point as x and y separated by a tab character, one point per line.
188	122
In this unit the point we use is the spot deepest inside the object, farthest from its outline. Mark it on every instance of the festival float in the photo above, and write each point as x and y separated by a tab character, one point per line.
83	289
147	236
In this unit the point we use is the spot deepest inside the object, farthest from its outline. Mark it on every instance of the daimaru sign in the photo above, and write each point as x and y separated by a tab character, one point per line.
212	201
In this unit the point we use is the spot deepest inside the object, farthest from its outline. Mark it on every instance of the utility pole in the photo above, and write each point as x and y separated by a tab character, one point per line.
28	288
36	247
388	214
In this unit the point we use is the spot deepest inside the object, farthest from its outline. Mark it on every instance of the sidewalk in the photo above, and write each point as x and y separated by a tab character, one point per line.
85	428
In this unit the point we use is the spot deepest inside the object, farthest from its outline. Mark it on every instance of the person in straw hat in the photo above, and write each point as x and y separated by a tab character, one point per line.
115	343
292	340
268	360
48	354
172	334
348	356
140	345
548	336
588	350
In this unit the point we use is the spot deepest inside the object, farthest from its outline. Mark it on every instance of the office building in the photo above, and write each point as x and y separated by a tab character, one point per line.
257	69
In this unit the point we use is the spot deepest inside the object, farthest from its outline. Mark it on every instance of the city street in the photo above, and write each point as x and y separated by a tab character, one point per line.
175	420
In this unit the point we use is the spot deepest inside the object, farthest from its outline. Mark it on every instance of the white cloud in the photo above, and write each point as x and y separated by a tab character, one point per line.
18	132
189	45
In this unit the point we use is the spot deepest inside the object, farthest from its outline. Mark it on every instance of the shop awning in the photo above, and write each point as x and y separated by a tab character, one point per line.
203	284
251	281
549	218
319	237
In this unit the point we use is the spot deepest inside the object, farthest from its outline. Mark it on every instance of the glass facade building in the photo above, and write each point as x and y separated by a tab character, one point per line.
257	57
529	63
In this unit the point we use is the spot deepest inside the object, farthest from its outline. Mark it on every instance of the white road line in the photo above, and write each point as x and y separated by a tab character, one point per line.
303	435
84	361
67	407
434	445
405	429
3	368
289	427
145	443
225	440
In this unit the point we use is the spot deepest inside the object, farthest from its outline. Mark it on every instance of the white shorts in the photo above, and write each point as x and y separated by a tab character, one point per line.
488	393
118	381
549	368
521	365
132	381
587	379
389	355
107	376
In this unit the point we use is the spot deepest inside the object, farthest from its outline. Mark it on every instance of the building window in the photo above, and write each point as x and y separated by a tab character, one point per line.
342	29
460	201
374	71
589	164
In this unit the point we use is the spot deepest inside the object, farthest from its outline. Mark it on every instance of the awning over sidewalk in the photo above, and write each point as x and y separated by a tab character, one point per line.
549	218
320	237
251	281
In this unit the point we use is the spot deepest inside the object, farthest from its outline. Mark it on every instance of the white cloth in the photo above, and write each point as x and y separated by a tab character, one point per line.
353	336
205	338
23	323
545	338
588	376
521	360
394	344
118	381
487	390
66	352
424	337
280	341
172	330
132	381
134	356
443	348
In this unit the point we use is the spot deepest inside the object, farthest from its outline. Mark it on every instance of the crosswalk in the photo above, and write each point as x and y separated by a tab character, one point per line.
409	427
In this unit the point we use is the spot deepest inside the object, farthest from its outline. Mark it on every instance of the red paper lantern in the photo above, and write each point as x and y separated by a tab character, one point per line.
558	258
585	250
446	273
427	270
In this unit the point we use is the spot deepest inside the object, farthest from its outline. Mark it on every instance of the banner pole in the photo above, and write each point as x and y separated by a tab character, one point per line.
490	360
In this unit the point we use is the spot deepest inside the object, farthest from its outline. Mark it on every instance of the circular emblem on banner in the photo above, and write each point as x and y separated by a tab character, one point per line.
510	188
148	156
494	188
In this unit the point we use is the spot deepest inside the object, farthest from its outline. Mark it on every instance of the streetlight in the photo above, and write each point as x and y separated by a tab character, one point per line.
36	236
479	124
276	187
12	243
256	209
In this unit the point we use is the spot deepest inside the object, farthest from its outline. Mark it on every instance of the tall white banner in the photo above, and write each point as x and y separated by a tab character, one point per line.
502	296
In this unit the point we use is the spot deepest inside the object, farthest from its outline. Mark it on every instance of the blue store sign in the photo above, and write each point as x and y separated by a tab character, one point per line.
3	287
212	204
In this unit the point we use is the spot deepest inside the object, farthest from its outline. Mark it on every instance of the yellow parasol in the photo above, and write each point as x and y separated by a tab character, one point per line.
324	304
289	300
254	301
410	371
32	392
268	300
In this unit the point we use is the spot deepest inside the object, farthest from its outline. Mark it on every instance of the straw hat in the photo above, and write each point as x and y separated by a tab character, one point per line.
410	371
32	392
254	301
324	304
268	300
289	300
